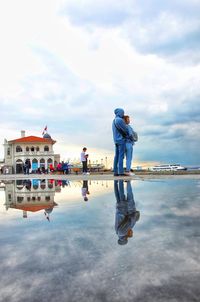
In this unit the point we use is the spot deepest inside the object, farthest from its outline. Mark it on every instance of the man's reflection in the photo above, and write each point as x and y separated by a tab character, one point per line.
85	190
126	213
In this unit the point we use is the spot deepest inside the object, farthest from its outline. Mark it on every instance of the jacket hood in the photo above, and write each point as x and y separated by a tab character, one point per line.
119	112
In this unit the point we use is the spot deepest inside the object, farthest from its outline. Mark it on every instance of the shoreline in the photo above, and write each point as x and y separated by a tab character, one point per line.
106	176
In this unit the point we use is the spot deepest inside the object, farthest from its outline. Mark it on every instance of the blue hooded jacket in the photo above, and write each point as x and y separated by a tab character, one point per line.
119	127
130	139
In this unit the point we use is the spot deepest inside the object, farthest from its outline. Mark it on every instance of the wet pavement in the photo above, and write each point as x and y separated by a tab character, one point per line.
100	240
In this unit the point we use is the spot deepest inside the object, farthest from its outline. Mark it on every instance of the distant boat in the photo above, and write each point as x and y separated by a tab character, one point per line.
172	167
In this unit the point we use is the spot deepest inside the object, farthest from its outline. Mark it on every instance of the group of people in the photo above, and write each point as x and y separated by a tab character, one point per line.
61	167
124	138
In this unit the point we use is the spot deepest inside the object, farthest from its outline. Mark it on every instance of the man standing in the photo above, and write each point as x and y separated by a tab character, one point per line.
84	158
130	141
120	132
27	166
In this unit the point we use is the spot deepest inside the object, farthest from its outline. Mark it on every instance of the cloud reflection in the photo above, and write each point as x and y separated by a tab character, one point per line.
77	258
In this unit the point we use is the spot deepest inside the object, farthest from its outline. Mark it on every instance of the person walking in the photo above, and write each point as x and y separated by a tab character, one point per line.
130	141
120	132
84	158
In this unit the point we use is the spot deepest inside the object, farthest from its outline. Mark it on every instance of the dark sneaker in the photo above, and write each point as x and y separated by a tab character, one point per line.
115	174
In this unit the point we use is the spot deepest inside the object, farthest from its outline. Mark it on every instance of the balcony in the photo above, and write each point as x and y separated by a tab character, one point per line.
34	153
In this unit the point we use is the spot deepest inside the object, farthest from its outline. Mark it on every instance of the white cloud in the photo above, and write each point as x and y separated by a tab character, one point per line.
72	77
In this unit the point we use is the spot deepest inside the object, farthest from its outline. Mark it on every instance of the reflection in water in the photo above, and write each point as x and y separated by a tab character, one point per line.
31	196
47	212
27	184
34	195
85	190
76	257
126	213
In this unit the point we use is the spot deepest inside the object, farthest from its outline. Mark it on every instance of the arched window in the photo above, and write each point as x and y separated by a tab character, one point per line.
32	149
37	149
19	184
43	184
46	148
42	162
42	165
50	184
28	184
19	161
20	198
34	164
18	149
27	149
35	184
49	162
19	166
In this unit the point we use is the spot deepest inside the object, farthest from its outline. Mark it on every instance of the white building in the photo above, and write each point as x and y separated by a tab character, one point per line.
39	150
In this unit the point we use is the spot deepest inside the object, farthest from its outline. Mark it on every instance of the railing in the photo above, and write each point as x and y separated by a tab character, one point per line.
38	153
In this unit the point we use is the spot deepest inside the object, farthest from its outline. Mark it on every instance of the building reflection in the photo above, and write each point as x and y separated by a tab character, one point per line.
34	195
31	195
126	213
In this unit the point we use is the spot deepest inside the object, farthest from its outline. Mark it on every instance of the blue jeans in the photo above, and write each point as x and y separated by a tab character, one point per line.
119	191
130	198
129	155
125	202
118	159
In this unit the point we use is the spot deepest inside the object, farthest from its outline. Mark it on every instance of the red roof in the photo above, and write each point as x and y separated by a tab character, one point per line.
32	139
34	207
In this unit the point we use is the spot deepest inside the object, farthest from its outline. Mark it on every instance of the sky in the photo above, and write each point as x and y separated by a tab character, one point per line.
68	64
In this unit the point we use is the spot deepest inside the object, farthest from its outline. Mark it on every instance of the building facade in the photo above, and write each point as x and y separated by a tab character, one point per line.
39	150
